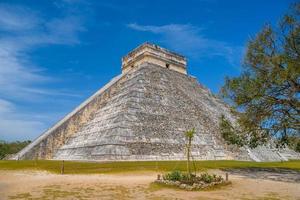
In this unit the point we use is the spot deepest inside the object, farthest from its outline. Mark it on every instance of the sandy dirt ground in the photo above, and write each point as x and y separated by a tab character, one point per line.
43	185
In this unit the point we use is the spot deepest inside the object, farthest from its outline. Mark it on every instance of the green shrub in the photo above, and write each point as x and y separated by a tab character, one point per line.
173	176
190	179
209	178
206	178
185	177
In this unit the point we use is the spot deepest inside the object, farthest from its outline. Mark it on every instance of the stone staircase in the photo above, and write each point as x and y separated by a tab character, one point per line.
264	153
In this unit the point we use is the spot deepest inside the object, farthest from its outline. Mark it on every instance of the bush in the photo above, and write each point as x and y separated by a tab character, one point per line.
190	179
209	178
206	178
173	176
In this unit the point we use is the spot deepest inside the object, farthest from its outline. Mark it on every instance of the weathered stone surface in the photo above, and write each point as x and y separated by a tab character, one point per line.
142	115
49	142
154	54
146	120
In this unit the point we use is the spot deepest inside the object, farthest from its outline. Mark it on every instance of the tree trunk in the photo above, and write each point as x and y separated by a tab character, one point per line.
188	157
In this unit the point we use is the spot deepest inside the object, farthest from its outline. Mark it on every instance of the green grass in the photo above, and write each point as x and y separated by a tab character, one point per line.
72	167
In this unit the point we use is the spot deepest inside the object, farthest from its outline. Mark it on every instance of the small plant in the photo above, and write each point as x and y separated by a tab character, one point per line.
189	137
191	179
209	178
206	178
173	176
188	180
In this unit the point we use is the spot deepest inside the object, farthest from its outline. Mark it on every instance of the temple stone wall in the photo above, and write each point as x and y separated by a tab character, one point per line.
159	62
154	54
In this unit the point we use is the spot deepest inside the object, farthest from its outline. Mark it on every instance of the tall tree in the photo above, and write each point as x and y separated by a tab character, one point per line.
266	94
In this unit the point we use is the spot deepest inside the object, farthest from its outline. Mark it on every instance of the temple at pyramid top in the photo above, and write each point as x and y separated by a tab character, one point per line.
154	54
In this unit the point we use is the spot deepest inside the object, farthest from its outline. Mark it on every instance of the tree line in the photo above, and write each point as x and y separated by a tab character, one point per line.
7	148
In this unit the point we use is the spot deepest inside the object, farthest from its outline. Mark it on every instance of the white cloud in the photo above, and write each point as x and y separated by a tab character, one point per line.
5	107
19	77
64	31
192	41
14	18
21	31
15	125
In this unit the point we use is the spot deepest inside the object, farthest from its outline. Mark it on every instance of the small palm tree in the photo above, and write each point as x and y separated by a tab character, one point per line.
189	135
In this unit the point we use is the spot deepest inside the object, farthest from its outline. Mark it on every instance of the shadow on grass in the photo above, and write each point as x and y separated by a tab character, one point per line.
275	174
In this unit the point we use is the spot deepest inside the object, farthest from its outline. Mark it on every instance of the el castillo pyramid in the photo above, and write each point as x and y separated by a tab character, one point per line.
142	114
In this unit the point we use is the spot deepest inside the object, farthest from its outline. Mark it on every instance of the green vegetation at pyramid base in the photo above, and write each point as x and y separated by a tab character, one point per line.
71	167
7	148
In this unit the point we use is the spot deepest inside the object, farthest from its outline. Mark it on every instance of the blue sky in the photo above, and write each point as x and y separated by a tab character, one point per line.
54	54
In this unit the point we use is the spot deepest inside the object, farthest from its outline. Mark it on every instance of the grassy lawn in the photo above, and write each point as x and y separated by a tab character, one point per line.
115	167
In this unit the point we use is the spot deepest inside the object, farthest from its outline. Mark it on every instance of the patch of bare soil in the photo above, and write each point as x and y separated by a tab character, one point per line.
42	185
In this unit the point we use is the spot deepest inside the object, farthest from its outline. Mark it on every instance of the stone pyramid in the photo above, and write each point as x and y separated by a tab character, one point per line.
142	114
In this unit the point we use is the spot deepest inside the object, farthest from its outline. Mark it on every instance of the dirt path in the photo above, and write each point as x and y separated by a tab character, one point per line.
42	185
